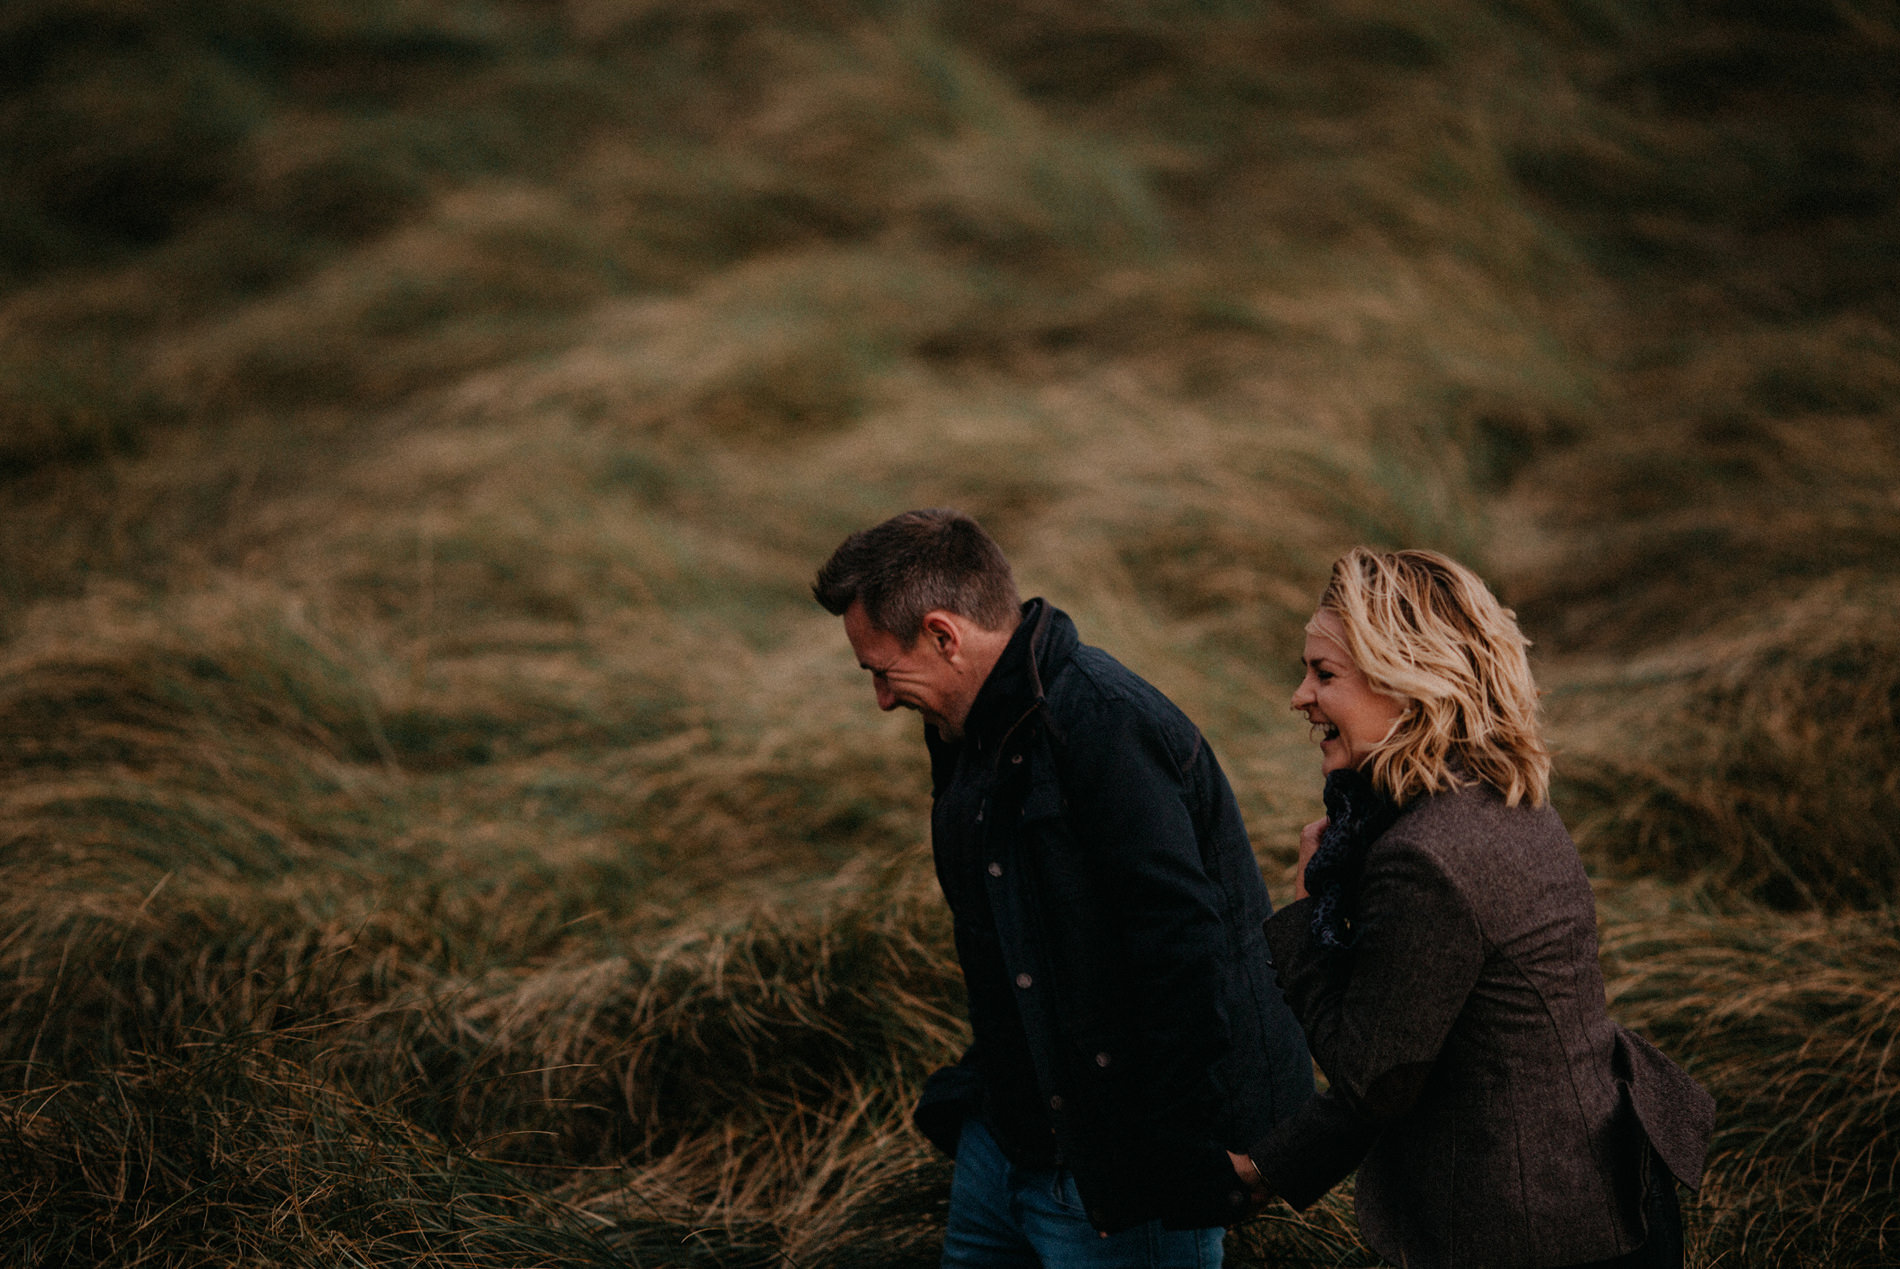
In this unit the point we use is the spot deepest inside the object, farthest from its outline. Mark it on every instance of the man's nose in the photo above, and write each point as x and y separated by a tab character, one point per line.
886	699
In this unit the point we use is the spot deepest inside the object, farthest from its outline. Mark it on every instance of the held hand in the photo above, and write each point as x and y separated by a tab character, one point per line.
1249	1173
1309	846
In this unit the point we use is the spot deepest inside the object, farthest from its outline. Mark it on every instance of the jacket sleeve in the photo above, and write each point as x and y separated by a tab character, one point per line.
1312	1150
1131	801
951	1095
1377	1015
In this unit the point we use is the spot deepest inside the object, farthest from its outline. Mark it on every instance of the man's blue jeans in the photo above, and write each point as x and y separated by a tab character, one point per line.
1006	1217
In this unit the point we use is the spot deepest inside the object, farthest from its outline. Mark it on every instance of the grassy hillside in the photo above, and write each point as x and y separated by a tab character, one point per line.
438	828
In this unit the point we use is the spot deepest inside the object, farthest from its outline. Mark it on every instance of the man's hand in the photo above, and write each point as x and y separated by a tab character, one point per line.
1309	846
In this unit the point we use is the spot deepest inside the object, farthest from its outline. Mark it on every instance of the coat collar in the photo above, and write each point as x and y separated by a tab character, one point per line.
1044	640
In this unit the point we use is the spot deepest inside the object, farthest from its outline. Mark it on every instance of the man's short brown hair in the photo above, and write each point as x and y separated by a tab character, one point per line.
915	563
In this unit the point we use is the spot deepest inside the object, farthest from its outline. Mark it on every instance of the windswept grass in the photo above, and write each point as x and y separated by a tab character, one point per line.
1718	759
1791	1024
220	1156
437	828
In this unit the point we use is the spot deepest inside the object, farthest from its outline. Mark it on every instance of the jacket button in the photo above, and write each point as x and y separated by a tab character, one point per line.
1055	1103
1016	759
1101	1059
1024	980
995	869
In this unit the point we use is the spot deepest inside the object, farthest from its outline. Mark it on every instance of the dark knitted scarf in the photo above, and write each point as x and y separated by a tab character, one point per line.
1357	815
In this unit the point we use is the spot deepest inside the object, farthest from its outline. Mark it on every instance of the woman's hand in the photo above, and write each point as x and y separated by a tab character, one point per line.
1309	846
1249	1173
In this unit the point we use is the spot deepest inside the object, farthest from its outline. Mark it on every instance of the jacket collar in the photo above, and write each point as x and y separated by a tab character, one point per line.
1044	640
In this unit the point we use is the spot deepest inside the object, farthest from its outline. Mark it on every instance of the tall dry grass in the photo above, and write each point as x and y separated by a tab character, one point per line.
1758	758
1790	1023
437	828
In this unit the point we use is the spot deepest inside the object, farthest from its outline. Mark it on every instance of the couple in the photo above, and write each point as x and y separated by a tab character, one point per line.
1139	1075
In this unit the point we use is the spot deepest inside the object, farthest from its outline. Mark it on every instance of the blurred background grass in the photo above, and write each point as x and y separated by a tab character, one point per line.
437	827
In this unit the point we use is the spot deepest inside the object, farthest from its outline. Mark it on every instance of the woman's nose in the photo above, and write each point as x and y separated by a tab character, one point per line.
1302	695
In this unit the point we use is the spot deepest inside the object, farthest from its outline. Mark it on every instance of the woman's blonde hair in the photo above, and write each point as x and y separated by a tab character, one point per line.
1426	630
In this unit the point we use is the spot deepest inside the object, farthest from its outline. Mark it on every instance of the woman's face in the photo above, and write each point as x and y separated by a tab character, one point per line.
1336	698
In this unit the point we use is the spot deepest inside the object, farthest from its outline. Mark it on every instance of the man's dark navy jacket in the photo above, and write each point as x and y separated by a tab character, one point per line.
1107	909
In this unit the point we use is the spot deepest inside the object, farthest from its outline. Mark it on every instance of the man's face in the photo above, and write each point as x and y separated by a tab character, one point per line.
922	676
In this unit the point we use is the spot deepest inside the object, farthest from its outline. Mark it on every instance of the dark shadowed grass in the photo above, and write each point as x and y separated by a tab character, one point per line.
228	1154
300	1092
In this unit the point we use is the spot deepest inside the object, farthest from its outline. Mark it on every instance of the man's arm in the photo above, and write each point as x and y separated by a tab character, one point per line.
1129	802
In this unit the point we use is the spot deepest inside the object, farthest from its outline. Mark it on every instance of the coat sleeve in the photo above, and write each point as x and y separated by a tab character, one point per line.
1377	1016
951	1095
1312	1150
1132	800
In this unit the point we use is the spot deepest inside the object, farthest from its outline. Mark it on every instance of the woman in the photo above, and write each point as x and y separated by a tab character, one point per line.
1441	954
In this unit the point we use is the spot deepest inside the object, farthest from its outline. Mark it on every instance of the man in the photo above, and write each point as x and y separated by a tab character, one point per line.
1128	1037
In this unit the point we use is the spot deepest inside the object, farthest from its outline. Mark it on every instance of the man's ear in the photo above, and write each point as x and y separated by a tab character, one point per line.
942	634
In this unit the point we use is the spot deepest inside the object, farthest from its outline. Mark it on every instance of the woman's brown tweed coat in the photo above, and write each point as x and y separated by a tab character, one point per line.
1497	1116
